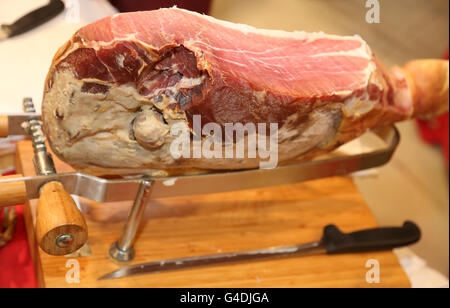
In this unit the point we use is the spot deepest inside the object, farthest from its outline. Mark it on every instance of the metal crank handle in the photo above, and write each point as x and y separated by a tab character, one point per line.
60	226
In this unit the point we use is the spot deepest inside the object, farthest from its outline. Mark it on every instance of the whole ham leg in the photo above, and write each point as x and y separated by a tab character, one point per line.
117	89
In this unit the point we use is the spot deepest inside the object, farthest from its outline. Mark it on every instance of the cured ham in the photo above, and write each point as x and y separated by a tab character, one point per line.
116	89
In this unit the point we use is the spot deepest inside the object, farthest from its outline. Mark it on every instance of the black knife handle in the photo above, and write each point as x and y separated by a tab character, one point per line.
35	18
370	240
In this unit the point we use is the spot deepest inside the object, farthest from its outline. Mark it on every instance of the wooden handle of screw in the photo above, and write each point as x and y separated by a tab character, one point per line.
12	193
3	126
60	226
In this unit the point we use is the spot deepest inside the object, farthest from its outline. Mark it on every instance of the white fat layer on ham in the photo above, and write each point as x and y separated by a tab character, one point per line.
119	60
362	51
403	99
184	83
315	133
349	98
355	107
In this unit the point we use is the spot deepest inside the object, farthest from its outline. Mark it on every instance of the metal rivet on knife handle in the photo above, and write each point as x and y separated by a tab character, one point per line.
12	193
60	226
3	126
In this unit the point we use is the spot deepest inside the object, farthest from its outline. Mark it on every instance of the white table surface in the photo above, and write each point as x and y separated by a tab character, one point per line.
25	59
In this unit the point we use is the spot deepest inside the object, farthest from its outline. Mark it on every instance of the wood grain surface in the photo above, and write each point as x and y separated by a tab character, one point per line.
12	193
226	222
3	126
58	214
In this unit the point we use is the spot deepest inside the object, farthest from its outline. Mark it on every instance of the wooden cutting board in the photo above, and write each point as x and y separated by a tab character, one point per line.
218	223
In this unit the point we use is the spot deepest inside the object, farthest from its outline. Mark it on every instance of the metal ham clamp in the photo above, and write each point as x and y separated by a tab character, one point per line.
60	226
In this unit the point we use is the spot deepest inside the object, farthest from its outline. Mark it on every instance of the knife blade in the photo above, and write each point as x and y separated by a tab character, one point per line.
32	20
333	241
11	124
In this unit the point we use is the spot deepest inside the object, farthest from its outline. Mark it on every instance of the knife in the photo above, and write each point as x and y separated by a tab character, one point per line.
32	19
333	242
12	124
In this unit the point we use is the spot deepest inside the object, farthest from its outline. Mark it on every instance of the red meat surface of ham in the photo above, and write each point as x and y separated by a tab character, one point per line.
240	60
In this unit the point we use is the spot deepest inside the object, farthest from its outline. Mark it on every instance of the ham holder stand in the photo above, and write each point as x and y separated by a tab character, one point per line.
60	225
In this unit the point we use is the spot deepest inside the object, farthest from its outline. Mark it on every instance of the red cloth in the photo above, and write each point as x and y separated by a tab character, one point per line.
16	266
436	131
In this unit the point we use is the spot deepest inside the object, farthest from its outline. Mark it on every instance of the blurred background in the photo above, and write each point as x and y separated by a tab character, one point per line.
414	185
